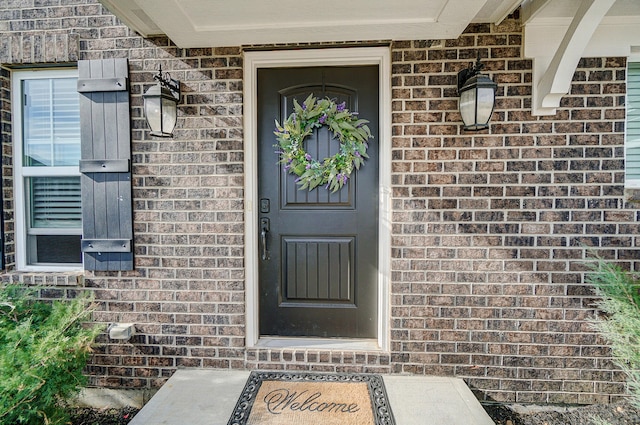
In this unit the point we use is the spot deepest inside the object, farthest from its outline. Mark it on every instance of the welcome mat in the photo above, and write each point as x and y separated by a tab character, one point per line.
304	398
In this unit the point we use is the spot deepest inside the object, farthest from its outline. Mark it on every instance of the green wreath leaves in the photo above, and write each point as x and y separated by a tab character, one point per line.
351	132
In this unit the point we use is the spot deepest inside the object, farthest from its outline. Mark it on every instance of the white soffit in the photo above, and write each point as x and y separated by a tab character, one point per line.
211	23
495	11
558	33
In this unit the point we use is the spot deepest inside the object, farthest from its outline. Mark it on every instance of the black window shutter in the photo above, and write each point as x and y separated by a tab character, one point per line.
105	165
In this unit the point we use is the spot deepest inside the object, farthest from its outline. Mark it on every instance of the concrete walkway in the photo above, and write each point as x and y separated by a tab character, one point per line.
205	396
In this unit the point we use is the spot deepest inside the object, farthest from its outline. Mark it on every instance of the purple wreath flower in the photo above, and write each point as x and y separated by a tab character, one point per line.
357	154
322	119
307	157
341	107
304	106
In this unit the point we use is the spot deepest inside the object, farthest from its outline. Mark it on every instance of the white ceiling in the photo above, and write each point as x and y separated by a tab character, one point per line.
211	23
557	33
567	8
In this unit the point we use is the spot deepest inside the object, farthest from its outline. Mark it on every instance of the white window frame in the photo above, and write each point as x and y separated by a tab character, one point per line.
20	172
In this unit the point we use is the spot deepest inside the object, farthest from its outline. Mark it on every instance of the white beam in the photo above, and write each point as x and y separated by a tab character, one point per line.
531	8
505	10
496	11
133	16
552	80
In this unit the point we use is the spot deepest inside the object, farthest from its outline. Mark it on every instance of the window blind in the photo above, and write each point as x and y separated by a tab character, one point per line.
632	144
55	202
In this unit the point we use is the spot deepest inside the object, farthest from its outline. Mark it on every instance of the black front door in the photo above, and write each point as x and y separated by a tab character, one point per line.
319	250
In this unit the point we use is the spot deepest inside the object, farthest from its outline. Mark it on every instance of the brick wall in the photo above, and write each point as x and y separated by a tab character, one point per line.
490	230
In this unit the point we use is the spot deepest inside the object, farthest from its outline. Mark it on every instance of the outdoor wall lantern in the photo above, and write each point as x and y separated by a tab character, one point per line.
477	97
160	105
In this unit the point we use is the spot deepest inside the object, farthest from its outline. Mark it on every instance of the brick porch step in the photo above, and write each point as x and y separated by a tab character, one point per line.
208	397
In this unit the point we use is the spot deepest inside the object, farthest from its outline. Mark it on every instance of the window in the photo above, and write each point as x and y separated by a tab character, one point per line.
632	144
47	179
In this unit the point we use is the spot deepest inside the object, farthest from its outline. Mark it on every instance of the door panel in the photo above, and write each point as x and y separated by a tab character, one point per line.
318	269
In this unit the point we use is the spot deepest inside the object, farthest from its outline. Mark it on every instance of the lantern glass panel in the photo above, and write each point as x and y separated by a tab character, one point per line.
169	115
486	98
153	112
468	106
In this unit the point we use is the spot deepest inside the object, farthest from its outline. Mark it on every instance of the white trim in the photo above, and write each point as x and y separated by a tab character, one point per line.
552	80
342	344
18	179
380	56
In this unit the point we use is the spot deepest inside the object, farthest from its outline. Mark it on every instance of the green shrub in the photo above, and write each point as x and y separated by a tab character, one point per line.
44	348
619	293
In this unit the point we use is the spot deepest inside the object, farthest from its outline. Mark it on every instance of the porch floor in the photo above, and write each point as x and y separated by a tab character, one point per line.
207	396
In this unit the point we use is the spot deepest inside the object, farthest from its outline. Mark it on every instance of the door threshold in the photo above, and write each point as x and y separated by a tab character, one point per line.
319	343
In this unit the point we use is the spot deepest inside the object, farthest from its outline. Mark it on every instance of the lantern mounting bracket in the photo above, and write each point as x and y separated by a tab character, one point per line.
469	72
169	83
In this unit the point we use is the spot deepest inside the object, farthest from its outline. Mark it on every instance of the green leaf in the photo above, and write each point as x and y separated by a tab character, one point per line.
346	126
298	169
296	107
310	101
314	113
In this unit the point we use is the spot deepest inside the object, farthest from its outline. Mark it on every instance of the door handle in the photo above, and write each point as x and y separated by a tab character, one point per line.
264	226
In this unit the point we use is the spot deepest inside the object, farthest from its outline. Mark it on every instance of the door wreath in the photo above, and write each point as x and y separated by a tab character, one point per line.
333	172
